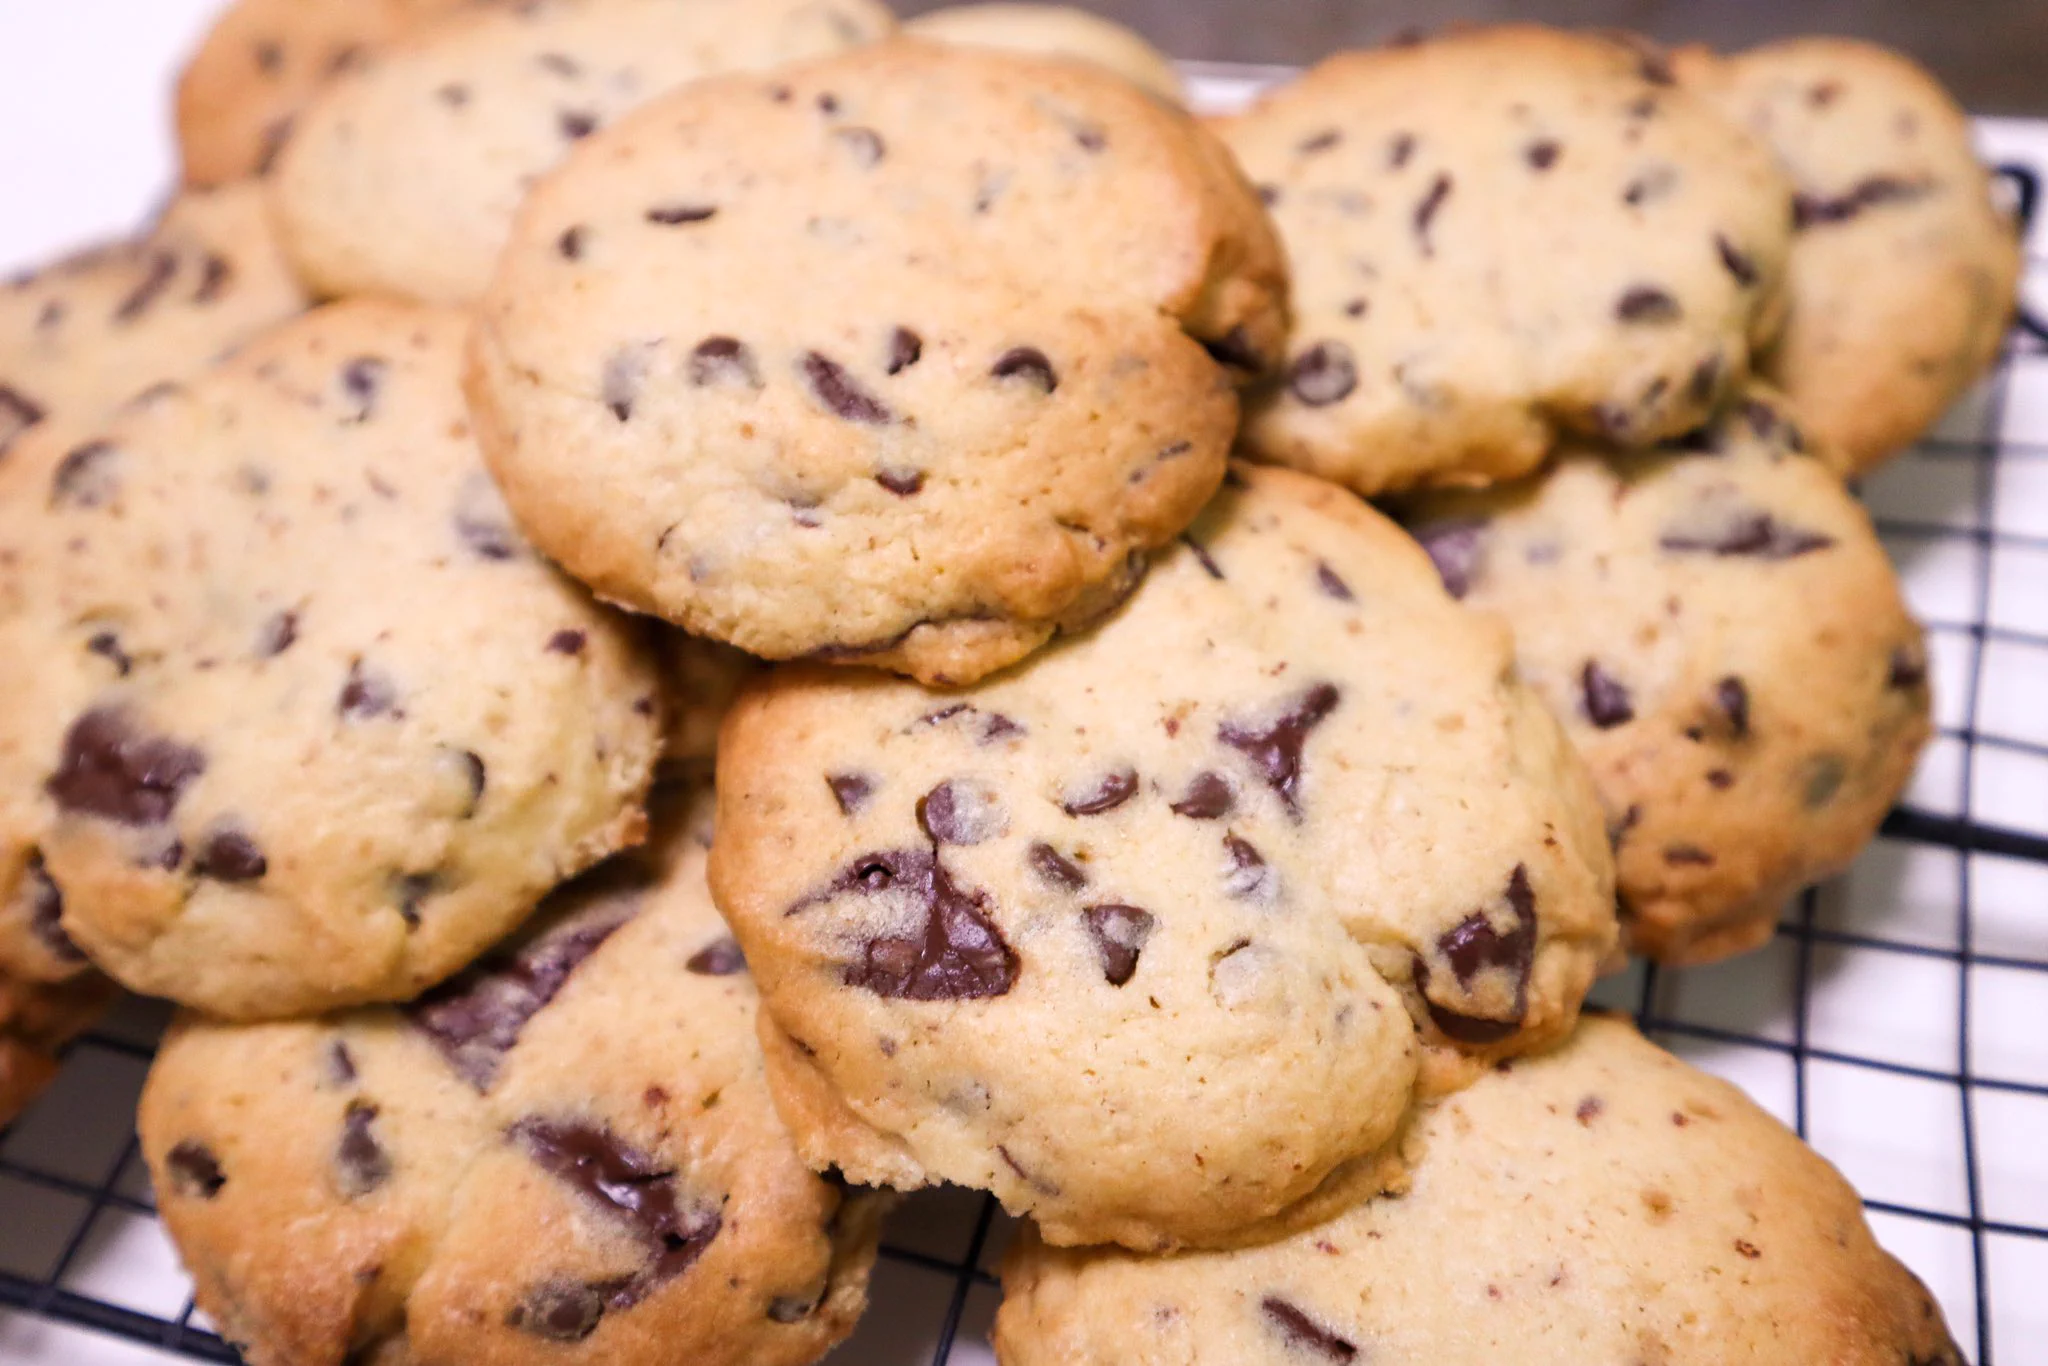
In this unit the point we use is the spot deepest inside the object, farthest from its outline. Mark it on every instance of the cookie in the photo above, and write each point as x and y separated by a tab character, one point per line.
1604	1202
896	358
1904	271
242	90
402	178
1723	637
312	725
568	1154
1499	236
1152	934
36	1019
701	678
1054	31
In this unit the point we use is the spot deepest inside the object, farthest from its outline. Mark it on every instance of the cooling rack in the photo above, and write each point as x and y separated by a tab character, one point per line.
1895	1020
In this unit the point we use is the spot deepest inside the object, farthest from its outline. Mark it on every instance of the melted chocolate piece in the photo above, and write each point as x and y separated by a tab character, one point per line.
1202	557
906	348
1473	946
624	372
360	1160
561	1310
481	522
850	790
576	124
719	958
230	856
1738	263
1426	211
1027	363
1304	1334
1110	791
1647	304
1542	154
1249	879
1607	699
361	381
723	360
156	278
341	1064
194	1170
1324	374
1455	549
1275	749
107	646
1209	796
1235	350
1332	583
86	477
957	954
902	483
1809	210
1746	533
474	774
366	694
1731	695
1056	869
112	770
836	389
18	413
1908	669
570	243
567	642
1120	933
277	635
46	912
961	812
630	1187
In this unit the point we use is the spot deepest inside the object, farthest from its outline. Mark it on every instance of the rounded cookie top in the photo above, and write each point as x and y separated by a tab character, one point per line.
1903	271
566	1154
402	178
242	90
1054	31
1499	235
1604	1202
896	357
1153	933
326	726
1726	642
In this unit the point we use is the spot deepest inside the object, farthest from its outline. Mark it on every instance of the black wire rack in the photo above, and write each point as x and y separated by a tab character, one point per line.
1870	1024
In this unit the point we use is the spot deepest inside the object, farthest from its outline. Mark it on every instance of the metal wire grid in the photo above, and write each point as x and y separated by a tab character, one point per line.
955	1235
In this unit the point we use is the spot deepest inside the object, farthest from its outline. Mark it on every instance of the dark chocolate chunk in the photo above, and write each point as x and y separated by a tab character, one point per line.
277	635
360	1162
1029	364
850	790
481	521
1541	154
46	911
1209	796
1908	668
361	381
1744	532
86	477
963	812
1455	548
1681	855
1607	699
1323	374
1647	304
1056	868
230	856
111	769
719	958
1275	749
1332	583
1110	791
630	1186
906	349
1810	210
341	1064
1319	142
559	1310
1731	695
107	646
1304	1334
411	890
902	483
570	243
1203	557
1400	149
156	278
1248	879
215	273
1120	933
18	413
1427	210
366	694
723	360
1738	262
576	123
624	373
1473	946
474	774
194	1169
568	642
956	954
836	389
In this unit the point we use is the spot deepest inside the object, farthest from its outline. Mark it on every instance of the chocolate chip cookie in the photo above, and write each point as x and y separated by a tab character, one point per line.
311	724
1903	270
1054	31
1152	934
402	178
1500	235
1725	641
1604	1202
908	357
567	1154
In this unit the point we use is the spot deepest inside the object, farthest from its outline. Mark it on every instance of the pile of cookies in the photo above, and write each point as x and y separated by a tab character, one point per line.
541	435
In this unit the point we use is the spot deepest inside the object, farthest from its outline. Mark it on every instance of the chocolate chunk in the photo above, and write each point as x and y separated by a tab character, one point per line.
1304	1334
1908	669
902	483
18	413
481	521
624	373
1202	557
1426	211
112	770
1682	855
1825	774
1120	933
957	953
1057	869
1720	779
86	477
1319	142
836	389
1473	946
194	1170
723	360
1541	154
1606	698
1400	149
1455	548
215	273
1235	350
46	911
1249	879
341	1064
277	635
1027	363
476	1017
1731	695
1209	796
1588	1110
570	244
559	1310
864	144
230	856
719	958
850	790
1275	749
1747	533
1111	790
410	890
156	278
961	811
906	348
360	1160
1323	374
474	776
1737	262
361	381
366	694
1647	304
567	642
1705	380
1809	210
107	646
576	124
1331	583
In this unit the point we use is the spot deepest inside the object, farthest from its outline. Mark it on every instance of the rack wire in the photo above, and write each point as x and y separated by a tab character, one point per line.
1888	1022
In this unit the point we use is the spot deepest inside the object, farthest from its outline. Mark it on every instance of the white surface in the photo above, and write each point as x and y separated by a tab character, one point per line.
84	99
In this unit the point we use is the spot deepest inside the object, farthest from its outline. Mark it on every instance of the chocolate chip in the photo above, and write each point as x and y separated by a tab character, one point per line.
570	243
1738	263
559	1311
156	278
107	646
1248	879
850	790
956	954
1275	749
1056	869
341	1064
1356	308
1426	211
1681	855
1208	797
1473	946
275	135
230	856
1647	304
1731	695
1110	791
1235	350
719	958
194	1170
215	273
1331	583
902	483
410	890
1202	557
360	1160
476	1017
1319	142
1542	154
361	380
1324	374
1589	1109
864	144
624	373
18	413
566	642
86	477
1811	210
1455	548
1302	1333
837	391
1747	533
110	769
1908	669
962	812
1606	698
46	911
1120	933
474	777
1400	149
1653	184
1720	779
366	694
576	123
277	634
1027	363
906	348
723	360
456	95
